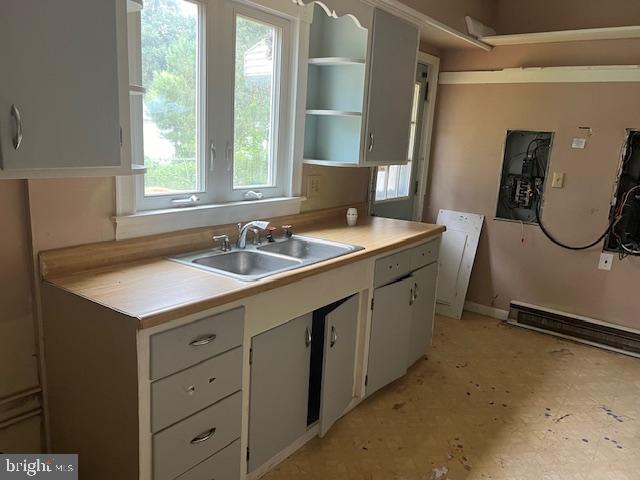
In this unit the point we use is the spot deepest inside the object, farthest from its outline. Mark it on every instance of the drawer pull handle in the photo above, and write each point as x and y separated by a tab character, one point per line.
204	436
212	379
204	340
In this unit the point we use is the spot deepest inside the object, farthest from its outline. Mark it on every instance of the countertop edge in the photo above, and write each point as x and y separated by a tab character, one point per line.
153	319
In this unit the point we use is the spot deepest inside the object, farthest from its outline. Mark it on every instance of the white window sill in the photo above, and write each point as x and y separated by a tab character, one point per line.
152	222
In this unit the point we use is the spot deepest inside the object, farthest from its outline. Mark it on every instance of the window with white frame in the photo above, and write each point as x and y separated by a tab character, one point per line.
214	117
392	181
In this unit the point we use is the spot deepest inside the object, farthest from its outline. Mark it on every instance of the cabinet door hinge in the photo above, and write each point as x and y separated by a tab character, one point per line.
415	189
366	380
251	356
372	303
248	454
121	136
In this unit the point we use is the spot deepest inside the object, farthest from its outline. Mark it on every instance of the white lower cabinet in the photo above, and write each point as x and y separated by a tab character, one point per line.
280	360
286	398
389	341
402	312
341	326
196	398
422	311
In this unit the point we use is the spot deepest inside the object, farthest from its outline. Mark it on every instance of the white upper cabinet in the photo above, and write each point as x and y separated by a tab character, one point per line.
392	75
360	75
63	88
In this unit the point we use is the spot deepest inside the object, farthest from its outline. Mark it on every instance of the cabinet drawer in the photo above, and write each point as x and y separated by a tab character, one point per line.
181	394
424	254
392	267
224	465
184	346
191	441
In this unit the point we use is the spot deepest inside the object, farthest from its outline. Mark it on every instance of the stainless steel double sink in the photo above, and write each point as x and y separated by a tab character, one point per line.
256	262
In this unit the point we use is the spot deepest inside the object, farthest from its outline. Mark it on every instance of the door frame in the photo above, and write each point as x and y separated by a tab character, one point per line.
428	116
424	152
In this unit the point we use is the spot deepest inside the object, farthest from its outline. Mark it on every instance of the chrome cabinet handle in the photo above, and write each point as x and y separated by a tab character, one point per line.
17	139
307	338
204	436
334	337
204	340
371	141
411	297
415	292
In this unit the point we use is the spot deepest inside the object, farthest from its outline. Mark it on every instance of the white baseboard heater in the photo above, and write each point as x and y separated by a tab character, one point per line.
576	327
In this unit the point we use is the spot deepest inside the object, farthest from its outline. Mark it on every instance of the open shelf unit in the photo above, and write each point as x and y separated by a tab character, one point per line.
335	90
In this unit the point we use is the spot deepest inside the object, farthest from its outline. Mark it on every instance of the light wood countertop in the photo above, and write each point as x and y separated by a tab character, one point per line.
158	290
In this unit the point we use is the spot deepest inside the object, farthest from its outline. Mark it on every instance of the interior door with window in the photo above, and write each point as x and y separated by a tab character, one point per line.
394	187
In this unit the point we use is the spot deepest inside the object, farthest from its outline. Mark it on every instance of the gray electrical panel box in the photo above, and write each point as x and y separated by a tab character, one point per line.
524	169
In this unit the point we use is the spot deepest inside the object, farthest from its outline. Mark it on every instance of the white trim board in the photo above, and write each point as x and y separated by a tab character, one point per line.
587	34
487	311
584	74
152	222
431	30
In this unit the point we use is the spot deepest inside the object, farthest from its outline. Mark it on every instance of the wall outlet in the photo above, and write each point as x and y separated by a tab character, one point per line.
606	261
558	180
313	186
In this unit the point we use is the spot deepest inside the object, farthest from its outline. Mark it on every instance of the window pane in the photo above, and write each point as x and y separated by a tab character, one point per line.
254	100
170	75
381	183
404	179
392	184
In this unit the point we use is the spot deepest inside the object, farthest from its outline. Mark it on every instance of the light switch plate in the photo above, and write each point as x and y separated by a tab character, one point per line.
558	180
579	143
606	261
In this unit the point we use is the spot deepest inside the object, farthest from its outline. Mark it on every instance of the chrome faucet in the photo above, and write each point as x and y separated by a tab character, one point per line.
243	229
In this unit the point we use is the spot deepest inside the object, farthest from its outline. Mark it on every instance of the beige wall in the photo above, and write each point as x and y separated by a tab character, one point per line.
465	169
525	16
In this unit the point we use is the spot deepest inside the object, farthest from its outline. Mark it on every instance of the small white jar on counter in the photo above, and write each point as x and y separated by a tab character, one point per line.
352	216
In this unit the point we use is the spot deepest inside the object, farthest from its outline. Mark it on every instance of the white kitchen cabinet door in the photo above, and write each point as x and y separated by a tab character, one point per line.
60	86
389	342
279	389
392	74
422	311
339	362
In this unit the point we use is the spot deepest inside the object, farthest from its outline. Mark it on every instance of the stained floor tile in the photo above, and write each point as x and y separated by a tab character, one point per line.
490	402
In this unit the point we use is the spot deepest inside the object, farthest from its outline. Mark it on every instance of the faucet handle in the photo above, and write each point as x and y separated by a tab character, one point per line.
224	239
256	236
288	232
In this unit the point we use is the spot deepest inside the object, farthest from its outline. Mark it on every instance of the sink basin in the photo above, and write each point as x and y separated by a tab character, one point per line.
256	262
245	265
308	249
